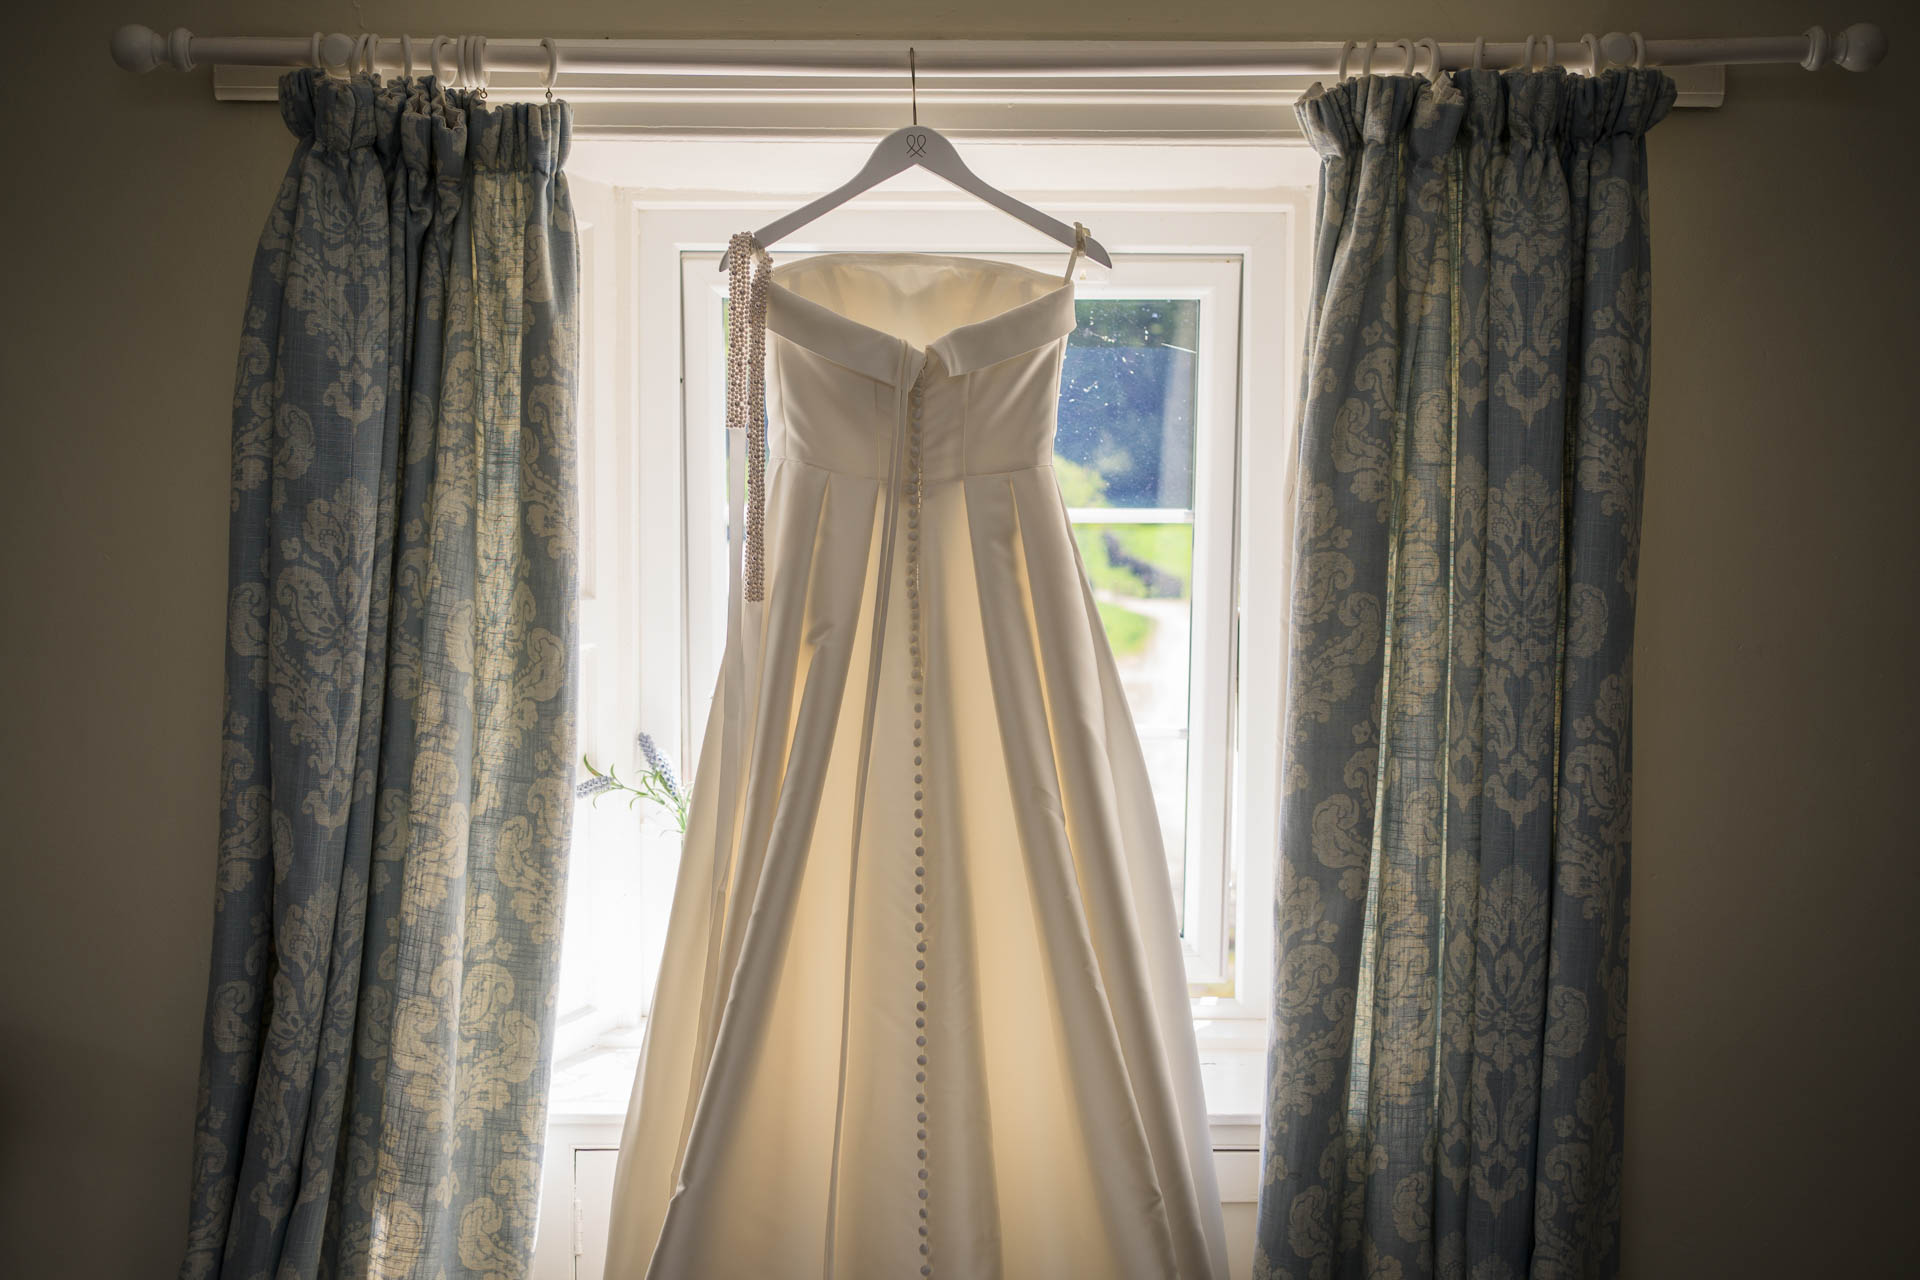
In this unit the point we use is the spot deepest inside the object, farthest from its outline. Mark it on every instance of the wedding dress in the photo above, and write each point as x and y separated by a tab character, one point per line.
922	1010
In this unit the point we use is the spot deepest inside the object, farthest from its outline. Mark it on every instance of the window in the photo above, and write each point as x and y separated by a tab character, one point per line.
1171	453
1149	413
1124	458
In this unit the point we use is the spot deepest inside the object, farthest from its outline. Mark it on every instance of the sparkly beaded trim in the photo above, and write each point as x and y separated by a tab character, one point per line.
748	272
913	490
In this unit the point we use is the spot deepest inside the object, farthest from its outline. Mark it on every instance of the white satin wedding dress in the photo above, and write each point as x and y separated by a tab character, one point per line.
922	1010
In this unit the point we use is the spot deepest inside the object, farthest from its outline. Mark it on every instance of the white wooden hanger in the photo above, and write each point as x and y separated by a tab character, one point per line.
918	145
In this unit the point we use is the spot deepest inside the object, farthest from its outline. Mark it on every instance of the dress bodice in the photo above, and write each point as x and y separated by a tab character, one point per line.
851	332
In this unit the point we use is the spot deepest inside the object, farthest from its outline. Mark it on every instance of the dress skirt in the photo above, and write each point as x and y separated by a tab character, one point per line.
922	1008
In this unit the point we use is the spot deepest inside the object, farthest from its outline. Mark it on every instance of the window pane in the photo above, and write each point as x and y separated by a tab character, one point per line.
1142	577
1167	776
1128	388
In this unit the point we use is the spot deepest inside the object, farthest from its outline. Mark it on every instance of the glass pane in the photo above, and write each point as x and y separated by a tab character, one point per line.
1128	388
1142	577
1167	775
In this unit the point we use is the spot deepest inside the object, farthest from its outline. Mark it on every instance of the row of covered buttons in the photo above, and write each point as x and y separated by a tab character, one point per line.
914	490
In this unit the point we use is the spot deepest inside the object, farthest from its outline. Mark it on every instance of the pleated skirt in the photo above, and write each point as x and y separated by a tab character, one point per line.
922	1009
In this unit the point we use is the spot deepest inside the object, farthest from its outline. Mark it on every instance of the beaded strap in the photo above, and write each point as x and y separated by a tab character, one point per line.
748	273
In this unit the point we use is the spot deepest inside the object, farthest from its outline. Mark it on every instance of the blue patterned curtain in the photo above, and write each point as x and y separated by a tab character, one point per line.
1446	1071
397	766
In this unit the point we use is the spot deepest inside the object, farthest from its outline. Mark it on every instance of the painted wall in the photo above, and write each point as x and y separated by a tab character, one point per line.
1771	1123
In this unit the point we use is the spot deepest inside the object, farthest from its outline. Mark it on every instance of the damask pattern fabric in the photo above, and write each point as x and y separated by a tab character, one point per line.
1446	1072
397	764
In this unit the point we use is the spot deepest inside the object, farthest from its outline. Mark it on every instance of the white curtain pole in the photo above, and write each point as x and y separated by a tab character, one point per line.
137	48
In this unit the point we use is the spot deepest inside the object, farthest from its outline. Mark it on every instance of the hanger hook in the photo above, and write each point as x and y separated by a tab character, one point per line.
553	63
1079	249
913	84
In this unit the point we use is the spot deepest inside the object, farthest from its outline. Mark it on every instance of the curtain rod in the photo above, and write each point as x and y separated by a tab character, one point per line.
137	48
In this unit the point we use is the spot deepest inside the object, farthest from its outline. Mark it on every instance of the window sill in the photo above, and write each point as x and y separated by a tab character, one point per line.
593	1085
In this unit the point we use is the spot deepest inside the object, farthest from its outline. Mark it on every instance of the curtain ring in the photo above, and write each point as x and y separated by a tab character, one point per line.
1526	60
1553	54
313	53
480	74
1592	46
434	53
1479	53
1406	47
1433	46
406	57
1816	48
1639	51
553	63
1366	60
1346	51
368	50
